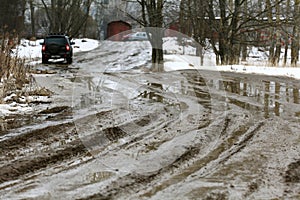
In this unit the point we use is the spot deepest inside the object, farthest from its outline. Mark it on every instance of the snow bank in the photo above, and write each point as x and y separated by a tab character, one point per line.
264	70
177	57
180	62
32	49
181	57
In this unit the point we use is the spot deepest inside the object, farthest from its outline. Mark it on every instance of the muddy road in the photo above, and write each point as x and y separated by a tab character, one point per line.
111	133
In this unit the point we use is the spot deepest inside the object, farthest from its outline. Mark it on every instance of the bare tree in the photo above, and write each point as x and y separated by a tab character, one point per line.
67	16
295	35
12	15
32	16
152	16
232	25
276	56
288	16
193	22
244	34
152	19
271	29
228	25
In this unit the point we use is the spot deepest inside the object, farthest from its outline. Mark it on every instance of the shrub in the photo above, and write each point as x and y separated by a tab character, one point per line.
13	70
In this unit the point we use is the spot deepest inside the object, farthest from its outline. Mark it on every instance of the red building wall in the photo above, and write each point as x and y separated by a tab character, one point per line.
117	29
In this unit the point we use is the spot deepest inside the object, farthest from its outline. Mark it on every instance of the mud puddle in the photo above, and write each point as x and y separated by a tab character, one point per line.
12	122
175	135
270	97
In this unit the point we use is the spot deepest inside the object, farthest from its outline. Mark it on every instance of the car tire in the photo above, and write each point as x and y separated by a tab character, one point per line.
44	60
69	60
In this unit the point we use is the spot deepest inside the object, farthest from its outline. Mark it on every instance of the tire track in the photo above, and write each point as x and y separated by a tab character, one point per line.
28	165
190	163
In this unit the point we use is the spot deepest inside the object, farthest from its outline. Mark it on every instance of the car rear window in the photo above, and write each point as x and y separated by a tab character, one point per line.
56	40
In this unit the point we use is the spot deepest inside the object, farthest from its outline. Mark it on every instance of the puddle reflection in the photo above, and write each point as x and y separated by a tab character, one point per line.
269	97
274	96
162	94
99	176
152	94
86	92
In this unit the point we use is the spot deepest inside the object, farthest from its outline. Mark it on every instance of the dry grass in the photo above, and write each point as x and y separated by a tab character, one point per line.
13	70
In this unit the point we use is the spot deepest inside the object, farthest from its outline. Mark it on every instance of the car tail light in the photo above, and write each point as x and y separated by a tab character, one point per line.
44	48
67	47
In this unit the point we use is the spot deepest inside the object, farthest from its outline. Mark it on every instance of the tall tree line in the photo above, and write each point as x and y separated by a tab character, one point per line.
60	16
230	27
12	15
233	25
67	16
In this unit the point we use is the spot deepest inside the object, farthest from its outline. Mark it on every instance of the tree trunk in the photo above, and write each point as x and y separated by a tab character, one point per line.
271	31
32	18
244	37
54	27
287	35
276	57
157	60
157	48
200	53
87	7
223	45
286	48
295	38
155	15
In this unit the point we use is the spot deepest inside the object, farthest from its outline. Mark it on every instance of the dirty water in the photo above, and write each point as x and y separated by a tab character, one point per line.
170	135
270	97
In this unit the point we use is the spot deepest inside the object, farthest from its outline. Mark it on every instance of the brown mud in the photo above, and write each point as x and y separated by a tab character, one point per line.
172	135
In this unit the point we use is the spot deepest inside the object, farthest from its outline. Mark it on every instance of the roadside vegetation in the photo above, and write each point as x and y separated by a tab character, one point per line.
13	70
230	28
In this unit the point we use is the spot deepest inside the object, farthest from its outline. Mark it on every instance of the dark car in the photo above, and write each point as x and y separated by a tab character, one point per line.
57	47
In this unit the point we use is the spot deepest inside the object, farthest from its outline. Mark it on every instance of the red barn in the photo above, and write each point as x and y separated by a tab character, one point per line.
117	29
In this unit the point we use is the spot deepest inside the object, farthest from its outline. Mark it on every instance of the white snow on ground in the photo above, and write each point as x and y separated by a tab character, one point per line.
11	107
7	109
177	57
180	62
32	49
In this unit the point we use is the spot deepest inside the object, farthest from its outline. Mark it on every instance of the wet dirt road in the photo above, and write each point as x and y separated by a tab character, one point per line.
191	134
